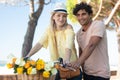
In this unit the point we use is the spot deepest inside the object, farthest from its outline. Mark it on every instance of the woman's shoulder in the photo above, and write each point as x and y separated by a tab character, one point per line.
69	26
69	29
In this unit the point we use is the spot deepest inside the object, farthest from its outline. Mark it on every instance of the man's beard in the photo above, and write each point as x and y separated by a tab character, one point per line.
86	22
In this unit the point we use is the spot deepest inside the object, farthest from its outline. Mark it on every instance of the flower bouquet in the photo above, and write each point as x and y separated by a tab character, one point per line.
28	66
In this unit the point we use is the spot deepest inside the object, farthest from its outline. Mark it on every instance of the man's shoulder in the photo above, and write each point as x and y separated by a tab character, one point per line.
98	22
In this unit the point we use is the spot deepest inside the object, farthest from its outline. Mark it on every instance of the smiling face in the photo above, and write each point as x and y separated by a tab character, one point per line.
83	17
60	18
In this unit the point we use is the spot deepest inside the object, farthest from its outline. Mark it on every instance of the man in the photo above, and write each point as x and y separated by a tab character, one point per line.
92	43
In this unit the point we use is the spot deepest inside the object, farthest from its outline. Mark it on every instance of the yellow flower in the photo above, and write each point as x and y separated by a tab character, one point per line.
22	66
20	70
29	70
39	67
40	64
46	74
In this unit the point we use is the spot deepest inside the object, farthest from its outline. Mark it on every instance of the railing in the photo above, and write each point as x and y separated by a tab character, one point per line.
34	77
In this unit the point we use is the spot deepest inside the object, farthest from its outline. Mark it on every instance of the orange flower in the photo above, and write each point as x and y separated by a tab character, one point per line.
28	61
27	65
22	66
57	66
9	65
14	59
32	62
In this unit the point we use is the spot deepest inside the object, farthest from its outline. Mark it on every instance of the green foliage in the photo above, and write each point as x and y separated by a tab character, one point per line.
118	14
70	5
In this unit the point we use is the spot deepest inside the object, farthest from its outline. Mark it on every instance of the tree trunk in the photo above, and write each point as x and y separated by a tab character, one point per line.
28	39
29	36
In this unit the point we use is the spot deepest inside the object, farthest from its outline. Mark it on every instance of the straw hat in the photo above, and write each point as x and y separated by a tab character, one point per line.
60	7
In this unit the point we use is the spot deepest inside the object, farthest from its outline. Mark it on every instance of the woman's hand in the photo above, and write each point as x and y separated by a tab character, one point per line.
26	58
75	64
66	61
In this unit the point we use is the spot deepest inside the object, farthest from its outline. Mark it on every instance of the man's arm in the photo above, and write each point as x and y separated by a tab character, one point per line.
79	51
87	51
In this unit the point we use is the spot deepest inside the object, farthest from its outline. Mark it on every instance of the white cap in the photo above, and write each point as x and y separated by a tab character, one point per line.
60	7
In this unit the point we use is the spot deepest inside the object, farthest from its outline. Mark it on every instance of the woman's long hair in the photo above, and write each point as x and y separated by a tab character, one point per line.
52	32
53	24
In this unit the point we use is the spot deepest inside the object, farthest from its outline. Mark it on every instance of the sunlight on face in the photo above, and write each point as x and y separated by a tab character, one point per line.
60	18
83	17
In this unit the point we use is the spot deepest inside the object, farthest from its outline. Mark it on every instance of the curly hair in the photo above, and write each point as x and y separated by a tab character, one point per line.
83	6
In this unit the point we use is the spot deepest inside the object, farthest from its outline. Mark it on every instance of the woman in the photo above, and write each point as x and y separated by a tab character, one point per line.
59	37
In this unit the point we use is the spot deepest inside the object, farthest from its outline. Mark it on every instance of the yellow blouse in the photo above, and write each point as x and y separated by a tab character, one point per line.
59	42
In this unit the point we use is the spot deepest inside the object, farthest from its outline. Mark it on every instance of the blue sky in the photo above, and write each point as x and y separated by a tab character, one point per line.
13	26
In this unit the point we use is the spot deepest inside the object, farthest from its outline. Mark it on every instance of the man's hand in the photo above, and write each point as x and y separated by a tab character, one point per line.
74	64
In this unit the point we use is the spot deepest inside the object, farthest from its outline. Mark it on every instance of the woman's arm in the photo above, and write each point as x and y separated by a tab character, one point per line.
67	55
70	36
35	49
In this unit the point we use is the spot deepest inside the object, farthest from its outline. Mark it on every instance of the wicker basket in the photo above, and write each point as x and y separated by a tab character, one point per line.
37	76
